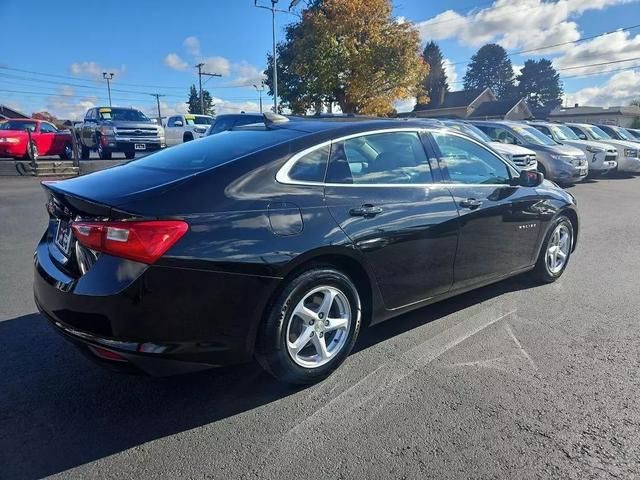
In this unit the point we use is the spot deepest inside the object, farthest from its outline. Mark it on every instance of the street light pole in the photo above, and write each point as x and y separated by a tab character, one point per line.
157	95
108	77
200	74
273	35
275	56
260	90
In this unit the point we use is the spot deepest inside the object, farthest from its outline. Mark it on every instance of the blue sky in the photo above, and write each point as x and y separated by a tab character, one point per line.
153	48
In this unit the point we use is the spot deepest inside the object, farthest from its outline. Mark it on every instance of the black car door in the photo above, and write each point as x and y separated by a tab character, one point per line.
499	221
381	191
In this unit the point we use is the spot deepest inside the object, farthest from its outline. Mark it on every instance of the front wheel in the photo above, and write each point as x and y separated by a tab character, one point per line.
67	152
555	251
129	154
32	152
103	152
311	328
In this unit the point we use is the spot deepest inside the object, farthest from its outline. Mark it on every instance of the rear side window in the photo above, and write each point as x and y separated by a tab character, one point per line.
311	167
221	124
382	158
213	150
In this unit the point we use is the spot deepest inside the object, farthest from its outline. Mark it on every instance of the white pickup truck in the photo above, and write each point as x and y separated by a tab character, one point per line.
187	127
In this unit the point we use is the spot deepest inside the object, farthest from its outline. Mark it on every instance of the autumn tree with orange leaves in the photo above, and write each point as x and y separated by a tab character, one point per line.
349	52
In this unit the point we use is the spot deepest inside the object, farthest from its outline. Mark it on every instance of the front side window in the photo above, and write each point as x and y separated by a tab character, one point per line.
18	125
172	122
311	167
47	128
469	163
381	158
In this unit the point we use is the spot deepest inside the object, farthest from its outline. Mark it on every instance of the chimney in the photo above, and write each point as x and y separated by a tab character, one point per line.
575	105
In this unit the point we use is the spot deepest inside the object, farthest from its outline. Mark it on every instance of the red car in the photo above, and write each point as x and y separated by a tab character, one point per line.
46	138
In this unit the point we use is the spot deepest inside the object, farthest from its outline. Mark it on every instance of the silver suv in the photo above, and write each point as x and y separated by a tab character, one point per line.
561	163
602	157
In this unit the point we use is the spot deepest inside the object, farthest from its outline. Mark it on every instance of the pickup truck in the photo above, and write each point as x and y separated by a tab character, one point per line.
107	130
187	127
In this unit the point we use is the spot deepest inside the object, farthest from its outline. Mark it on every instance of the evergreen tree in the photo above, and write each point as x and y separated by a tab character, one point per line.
434	84
490	68
540	84
194	102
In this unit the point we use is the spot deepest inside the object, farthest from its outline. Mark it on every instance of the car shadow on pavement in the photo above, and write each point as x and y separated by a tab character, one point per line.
58	410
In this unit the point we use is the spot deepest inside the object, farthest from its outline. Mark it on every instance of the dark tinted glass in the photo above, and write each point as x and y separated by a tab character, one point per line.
220	125
467	162
18	125
247	120
46	128
311	167
383	158
214	150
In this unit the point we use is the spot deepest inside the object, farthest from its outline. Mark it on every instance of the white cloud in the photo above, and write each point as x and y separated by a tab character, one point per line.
246	75
616	46
166	109
514	24
452	75
173	60
65	106
620	89
94	70
225	106
405	105
219	65
192	45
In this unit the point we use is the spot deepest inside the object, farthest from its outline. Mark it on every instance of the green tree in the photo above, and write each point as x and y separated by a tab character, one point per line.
353	53
539	83
194	102
490	68
434	86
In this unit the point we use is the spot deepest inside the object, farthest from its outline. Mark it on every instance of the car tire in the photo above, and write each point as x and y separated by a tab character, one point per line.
187	137
129	154
85	152
281	348
558	241
103	153
32	153
67	152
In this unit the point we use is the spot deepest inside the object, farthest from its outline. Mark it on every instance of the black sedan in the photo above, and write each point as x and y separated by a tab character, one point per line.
281	240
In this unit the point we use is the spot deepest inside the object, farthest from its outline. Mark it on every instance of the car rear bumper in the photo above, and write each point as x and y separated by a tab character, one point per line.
160	320
12	150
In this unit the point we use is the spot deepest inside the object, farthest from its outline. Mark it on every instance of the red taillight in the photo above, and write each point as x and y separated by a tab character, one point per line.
107	354
143	241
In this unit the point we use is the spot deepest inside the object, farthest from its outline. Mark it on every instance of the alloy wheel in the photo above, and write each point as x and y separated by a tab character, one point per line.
558	249
318	327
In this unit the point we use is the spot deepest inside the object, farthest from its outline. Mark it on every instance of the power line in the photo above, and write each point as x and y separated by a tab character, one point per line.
546	47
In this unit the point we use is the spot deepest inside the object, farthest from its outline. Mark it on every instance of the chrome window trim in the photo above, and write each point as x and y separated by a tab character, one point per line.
282	176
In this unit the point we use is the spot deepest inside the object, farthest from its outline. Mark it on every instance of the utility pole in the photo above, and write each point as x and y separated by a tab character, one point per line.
108	77
260	90
157	95
273	38
200	74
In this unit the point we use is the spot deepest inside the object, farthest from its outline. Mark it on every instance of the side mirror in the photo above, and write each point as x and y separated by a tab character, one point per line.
178	123
529	178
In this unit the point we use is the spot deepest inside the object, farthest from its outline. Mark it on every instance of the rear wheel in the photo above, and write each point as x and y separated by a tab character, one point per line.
311	328
67	152
555	251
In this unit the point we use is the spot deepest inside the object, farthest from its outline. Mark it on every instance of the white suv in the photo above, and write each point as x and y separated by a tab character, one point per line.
187	127
628	152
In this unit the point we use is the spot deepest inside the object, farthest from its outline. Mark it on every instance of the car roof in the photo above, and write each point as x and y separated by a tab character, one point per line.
351	124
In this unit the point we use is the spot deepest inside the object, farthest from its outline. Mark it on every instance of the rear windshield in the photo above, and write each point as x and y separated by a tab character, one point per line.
214	150
18	125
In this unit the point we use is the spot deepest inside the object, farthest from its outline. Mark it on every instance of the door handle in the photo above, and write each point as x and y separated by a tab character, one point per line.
366	211
471	203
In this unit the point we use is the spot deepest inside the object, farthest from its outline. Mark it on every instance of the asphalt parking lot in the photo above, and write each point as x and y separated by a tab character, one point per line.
515	380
